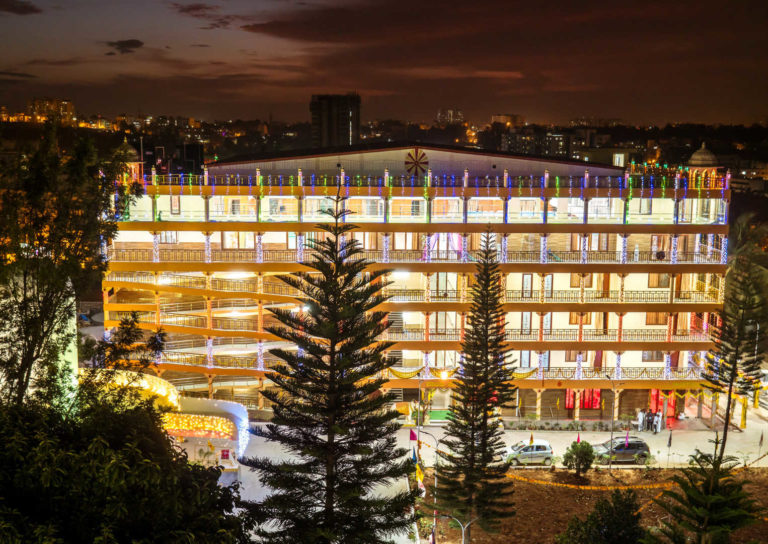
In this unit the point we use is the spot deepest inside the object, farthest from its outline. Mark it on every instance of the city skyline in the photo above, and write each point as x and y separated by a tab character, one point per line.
233	59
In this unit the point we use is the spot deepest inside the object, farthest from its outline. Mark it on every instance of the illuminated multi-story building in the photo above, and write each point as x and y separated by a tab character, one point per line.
612	276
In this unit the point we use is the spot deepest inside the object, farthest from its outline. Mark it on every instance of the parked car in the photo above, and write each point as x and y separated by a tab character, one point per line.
525	453
632	450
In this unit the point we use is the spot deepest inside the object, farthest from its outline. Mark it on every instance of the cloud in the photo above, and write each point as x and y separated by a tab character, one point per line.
70	61
199	45
209	13
17	75
19	7
125	46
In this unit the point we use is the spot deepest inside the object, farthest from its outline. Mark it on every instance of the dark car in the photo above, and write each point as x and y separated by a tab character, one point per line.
632	450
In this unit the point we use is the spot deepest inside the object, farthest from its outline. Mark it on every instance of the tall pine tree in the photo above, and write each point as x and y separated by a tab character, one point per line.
733	365
472	486
329	413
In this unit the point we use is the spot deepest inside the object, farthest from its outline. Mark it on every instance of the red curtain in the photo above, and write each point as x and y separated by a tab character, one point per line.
590	399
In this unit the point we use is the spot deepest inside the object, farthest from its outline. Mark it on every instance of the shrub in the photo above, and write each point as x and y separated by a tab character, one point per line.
579	457
612	521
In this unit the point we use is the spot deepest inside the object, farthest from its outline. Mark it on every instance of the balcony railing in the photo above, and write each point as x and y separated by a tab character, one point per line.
441	335
438	179
411	256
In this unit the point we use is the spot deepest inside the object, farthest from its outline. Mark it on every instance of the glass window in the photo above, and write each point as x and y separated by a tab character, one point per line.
573	318
653	356
587	280
658	281
175	204
656	318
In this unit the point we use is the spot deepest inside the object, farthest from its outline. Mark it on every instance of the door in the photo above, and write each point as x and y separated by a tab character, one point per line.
606	286
525	323
527	285
526	455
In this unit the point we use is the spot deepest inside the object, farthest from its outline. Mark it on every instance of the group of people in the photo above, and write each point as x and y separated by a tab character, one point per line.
649	421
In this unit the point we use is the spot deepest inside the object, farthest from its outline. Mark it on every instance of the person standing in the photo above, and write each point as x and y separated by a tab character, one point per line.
640	420
657	423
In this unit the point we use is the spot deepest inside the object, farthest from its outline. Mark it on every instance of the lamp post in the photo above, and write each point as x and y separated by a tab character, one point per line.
610	451
434	469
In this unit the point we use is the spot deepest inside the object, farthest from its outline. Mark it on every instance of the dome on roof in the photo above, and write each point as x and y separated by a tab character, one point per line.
703	157
128	151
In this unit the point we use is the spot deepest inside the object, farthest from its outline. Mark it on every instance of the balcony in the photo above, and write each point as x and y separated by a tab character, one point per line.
412	256
250	325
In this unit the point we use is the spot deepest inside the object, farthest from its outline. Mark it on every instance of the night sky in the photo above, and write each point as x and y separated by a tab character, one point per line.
653	61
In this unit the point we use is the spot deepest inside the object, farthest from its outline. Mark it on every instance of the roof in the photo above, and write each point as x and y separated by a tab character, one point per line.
379	146
703	157
406	159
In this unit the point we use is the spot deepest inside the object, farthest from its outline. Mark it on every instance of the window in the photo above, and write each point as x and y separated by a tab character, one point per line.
653	356
525	359
234	207
169	237
656	318
527	285
646	206
571	356
175	205
587	280
573	318
658	281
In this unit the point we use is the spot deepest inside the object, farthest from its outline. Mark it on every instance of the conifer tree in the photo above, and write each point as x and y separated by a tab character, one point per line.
329	413
709	505
733	365
472	486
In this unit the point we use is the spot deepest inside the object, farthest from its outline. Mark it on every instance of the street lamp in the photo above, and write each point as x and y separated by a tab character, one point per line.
434	469
463	527
610	450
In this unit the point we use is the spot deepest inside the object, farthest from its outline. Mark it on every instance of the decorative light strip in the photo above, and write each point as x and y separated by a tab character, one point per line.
617	373
200	426
155	247
208	258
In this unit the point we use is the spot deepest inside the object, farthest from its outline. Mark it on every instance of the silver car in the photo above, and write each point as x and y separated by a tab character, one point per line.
526	453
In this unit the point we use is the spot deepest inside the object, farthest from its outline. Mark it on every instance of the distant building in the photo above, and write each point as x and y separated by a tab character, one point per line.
42	109
511	120
335	119
450	117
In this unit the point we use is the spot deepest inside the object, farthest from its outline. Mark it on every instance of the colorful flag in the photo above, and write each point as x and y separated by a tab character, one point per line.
578	438
432	538
413	457
626	440
419	474
413	435
531	439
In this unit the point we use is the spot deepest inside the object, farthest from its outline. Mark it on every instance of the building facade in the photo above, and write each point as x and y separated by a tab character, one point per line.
335	120
612	276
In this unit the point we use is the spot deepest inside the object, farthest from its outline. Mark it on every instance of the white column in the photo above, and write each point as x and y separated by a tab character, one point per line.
667	365
673	250
259	247
260	355
724	250
543	251
299	247
385	248
208	252
617	373
209	351
579	361
155	247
